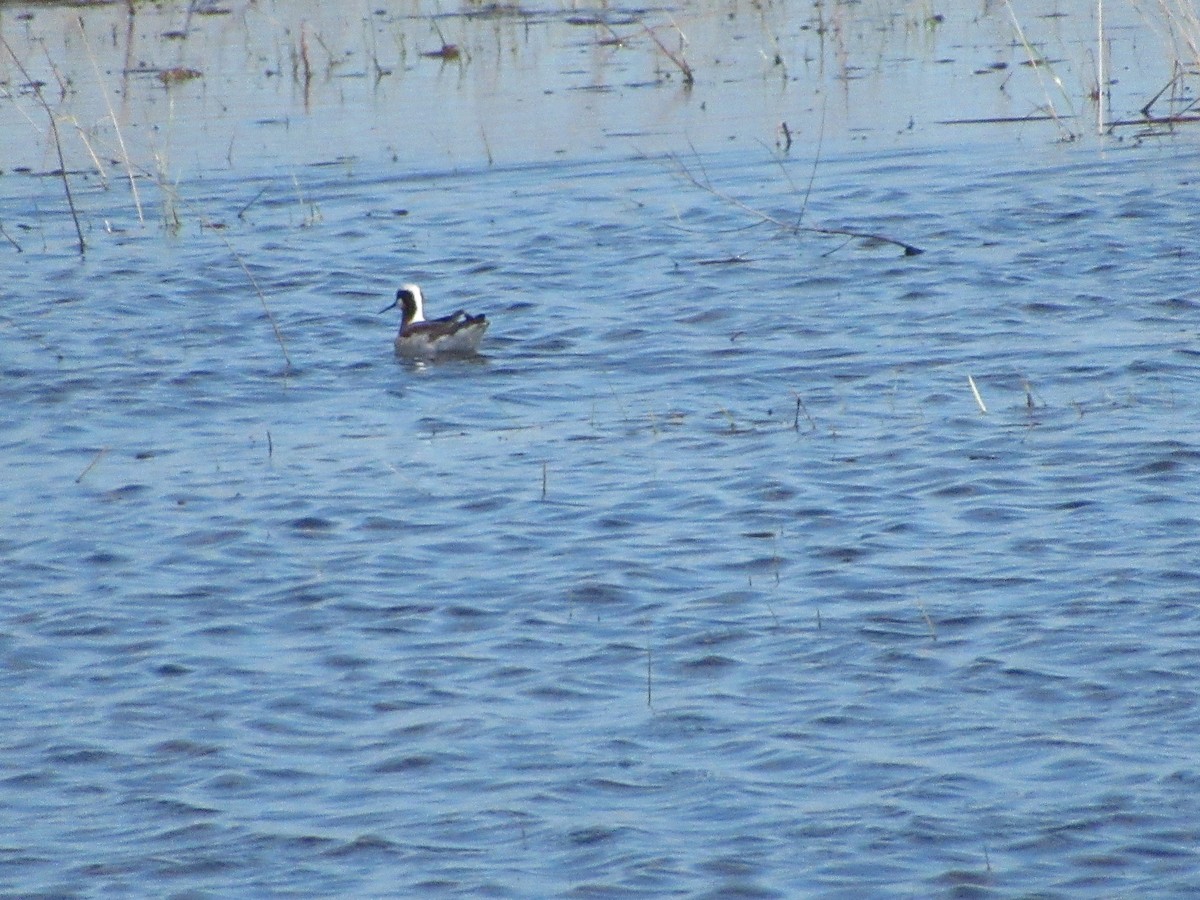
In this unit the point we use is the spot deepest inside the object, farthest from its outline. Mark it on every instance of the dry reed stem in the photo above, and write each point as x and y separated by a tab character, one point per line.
1037	63
175	200
9	238
262	298
792	227
101	172
103	452
975	393
812	175
1182	23
306	67
689	77
62	163
1100	76
137	200
1183	20
1178	89
313	215
801	408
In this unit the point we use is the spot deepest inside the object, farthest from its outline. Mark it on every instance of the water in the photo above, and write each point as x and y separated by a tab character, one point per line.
709	577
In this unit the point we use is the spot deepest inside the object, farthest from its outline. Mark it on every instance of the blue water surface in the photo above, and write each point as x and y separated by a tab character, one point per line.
711	576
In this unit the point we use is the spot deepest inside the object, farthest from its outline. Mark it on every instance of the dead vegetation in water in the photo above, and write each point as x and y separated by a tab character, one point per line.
1043	68
655	33
177	75
676	56
1174	103
697	176
36	87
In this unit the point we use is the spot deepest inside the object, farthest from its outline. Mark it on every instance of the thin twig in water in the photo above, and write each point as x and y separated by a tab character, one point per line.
103	452
1177	86
792	227
689	77
62	164
8	237
241	213
313	215
1145	110
262	298
801	408
175	199
812	177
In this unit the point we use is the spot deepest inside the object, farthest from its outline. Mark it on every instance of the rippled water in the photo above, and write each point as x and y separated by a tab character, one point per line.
711	576
607	610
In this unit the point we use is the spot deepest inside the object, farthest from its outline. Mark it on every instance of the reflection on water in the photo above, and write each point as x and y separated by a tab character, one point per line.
709	576
254	86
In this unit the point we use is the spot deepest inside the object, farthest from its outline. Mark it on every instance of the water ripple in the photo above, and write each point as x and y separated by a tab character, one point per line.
708	578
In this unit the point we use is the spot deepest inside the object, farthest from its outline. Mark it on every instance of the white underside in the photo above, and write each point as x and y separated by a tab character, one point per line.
463	342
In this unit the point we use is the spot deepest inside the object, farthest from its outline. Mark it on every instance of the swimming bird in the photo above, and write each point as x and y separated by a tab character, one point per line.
457	334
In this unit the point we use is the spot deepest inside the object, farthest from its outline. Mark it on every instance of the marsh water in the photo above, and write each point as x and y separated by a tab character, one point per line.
745	561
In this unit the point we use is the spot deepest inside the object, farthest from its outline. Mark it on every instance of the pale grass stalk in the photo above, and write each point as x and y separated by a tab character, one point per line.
64	87
1182	19
649	676
975	392
1174	24
101	172
1037	63
170	196
137	200
928	621
1100	92
313	215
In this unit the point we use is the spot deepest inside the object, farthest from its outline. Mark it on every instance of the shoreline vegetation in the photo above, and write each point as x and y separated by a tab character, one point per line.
152	96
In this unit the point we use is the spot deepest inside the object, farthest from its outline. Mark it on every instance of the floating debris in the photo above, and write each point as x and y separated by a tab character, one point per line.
446	53
178	75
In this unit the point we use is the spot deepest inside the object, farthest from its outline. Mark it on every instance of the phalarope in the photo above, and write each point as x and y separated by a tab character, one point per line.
457	334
